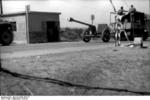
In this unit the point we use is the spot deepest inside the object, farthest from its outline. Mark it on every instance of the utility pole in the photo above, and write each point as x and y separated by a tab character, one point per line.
92	18
27	10
1	7
149	6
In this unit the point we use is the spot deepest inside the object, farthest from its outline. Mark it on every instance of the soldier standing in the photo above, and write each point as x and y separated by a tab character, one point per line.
121	11
132	9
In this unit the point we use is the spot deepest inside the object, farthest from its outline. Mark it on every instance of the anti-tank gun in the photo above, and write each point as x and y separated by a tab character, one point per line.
88	33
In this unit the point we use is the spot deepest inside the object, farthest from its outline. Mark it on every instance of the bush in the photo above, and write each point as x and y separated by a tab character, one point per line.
71	34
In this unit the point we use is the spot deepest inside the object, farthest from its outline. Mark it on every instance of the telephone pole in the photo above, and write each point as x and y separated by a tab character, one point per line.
149	6
1	7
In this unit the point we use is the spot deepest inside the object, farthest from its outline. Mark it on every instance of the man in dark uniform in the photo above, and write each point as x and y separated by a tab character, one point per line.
121	11
132	9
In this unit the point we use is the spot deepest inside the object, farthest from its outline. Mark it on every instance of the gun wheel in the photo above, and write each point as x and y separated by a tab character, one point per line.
106	35
86	36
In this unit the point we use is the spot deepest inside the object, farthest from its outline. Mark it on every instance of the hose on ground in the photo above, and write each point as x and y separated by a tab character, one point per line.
68	84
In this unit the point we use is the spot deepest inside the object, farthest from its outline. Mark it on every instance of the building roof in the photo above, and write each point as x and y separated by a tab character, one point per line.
30	12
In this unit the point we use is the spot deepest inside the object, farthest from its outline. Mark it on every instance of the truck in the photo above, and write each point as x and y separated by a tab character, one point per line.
134	25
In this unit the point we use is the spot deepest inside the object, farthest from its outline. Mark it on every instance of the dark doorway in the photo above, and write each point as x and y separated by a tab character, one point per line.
52	31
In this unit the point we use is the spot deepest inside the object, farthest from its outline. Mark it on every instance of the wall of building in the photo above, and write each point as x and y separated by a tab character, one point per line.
35	20
20	32
37	26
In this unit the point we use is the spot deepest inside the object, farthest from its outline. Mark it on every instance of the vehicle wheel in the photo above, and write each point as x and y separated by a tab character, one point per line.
6	37
106	35
130	36
123	37
86	36
145	36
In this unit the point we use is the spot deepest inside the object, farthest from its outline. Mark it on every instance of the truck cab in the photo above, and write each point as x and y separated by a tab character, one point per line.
6	33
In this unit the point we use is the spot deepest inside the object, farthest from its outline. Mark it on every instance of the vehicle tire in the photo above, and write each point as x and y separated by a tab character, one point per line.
85	37
130	36
123	37
145	36
105	35
6	37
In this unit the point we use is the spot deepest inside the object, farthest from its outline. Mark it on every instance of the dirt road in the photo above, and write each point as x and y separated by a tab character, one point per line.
91	64
44	49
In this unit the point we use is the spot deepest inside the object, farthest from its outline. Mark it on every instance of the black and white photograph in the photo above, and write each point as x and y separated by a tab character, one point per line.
74	48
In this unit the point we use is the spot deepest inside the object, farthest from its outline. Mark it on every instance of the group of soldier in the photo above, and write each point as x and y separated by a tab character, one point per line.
121	10
119	27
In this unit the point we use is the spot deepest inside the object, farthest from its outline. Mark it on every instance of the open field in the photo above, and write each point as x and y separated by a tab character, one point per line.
102	66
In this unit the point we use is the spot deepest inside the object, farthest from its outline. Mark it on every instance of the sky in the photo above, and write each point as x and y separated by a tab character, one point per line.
78	9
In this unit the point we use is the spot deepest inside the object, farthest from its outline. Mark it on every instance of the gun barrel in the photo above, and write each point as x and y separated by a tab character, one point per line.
73	20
